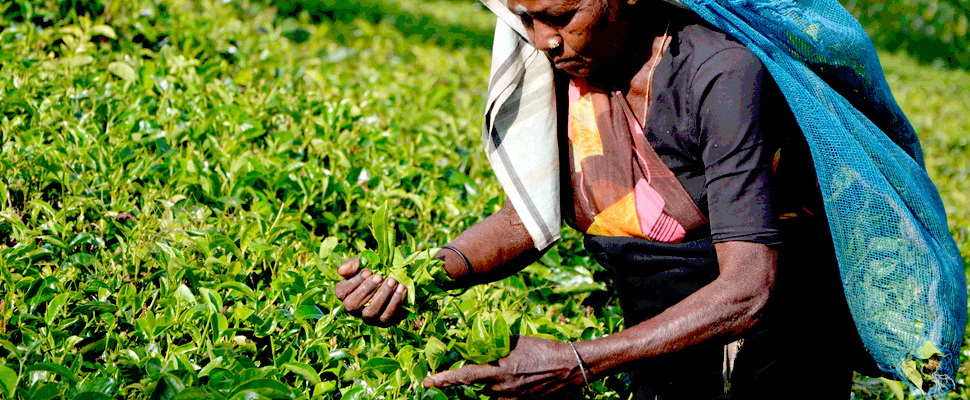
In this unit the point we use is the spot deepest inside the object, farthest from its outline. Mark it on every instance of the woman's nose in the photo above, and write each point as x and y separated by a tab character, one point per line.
546	37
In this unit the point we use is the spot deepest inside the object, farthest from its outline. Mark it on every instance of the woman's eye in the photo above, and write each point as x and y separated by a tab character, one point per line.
561	20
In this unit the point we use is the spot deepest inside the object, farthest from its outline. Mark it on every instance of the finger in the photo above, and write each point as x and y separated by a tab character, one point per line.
356	300
395	304
349	267
347	286
376	306
461	376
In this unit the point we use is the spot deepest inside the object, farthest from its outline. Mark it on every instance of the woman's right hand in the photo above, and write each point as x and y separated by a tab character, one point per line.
377	301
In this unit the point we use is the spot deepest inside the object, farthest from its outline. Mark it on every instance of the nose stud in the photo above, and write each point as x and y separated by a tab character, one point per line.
554	43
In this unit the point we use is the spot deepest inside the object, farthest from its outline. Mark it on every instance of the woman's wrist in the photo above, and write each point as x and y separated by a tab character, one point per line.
455	267
466	265
604	356
580	364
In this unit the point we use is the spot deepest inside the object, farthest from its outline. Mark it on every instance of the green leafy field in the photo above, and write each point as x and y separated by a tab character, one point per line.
179	180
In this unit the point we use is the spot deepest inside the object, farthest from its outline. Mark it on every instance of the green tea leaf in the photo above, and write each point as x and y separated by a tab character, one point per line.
168	387
103	30
380	364
370	260
927	350
304	370
79	60
308	311
433	394
239	287
895	387
433	351
215	363
92	396
53	368
8	381
55	306
184	294
911	371
501	337
263	387
327	246
197	394
479	335
384	235
123	70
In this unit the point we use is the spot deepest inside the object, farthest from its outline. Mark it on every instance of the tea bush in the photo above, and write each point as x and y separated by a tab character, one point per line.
179	180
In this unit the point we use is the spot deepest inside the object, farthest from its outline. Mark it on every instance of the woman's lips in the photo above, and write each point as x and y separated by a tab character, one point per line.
568	63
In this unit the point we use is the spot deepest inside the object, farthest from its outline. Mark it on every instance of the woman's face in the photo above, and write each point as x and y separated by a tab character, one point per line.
591	33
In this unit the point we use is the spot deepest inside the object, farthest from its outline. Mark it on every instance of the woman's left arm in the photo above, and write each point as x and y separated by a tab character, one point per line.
720	311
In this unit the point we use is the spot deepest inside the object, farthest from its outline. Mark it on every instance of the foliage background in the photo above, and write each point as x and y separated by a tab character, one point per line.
179	179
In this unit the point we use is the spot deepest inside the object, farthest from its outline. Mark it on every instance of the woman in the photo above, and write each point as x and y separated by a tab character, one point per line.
695	188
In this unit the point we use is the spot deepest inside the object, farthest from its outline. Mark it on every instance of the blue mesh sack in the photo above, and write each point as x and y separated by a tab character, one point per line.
901	270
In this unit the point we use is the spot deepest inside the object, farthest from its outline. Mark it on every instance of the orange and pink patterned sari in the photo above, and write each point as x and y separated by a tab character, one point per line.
620	185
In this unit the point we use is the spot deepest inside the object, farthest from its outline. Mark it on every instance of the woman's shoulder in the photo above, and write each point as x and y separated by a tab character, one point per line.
701	45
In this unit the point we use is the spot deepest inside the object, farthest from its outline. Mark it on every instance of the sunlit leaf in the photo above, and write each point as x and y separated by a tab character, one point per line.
8	380
103	30
304	370
263	387
380	364
123	70
64	372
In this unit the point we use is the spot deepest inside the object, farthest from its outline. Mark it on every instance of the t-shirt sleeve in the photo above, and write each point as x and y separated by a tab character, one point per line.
733	89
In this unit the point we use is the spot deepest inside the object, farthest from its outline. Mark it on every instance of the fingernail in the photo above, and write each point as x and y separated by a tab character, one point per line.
391	281
376	278
365	273
400	289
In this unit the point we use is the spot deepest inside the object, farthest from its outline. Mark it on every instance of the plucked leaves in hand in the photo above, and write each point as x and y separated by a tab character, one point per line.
383	232
421	273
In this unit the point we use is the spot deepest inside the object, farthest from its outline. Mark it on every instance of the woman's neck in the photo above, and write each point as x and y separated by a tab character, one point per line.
643	49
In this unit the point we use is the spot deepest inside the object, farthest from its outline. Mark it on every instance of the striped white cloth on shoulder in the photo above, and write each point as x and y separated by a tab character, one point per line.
519	132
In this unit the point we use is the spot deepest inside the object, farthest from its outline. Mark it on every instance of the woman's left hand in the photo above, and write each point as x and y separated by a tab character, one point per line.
534	368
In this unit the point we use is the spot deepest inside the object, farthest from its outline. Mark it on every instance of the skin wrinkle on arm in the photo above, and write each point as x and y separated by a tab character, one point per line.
720	311
497	247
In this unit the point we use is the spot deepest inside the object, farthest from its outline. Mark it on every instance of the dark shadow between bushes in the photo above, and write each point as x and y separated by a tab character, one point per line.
408	22
929	41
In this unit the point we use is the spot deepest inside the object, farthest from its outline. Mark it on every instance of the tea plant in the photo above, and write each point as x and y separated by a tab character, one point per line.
180	178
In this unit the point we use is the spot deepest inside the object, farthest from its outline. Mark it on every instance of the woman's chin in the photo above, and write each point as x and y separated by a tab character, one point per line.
575	68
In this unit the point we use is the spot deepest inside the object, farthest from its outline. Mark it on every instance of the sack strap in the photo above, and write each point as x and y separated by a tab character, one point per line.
679	205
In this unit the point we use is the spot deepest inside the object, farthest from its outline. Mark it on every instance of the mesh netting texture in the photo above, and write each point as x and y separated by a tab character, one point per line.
901	270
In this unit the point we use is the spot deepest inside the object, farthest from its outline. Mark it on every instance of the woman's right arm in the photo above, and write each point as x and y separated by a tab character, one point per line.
497	247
